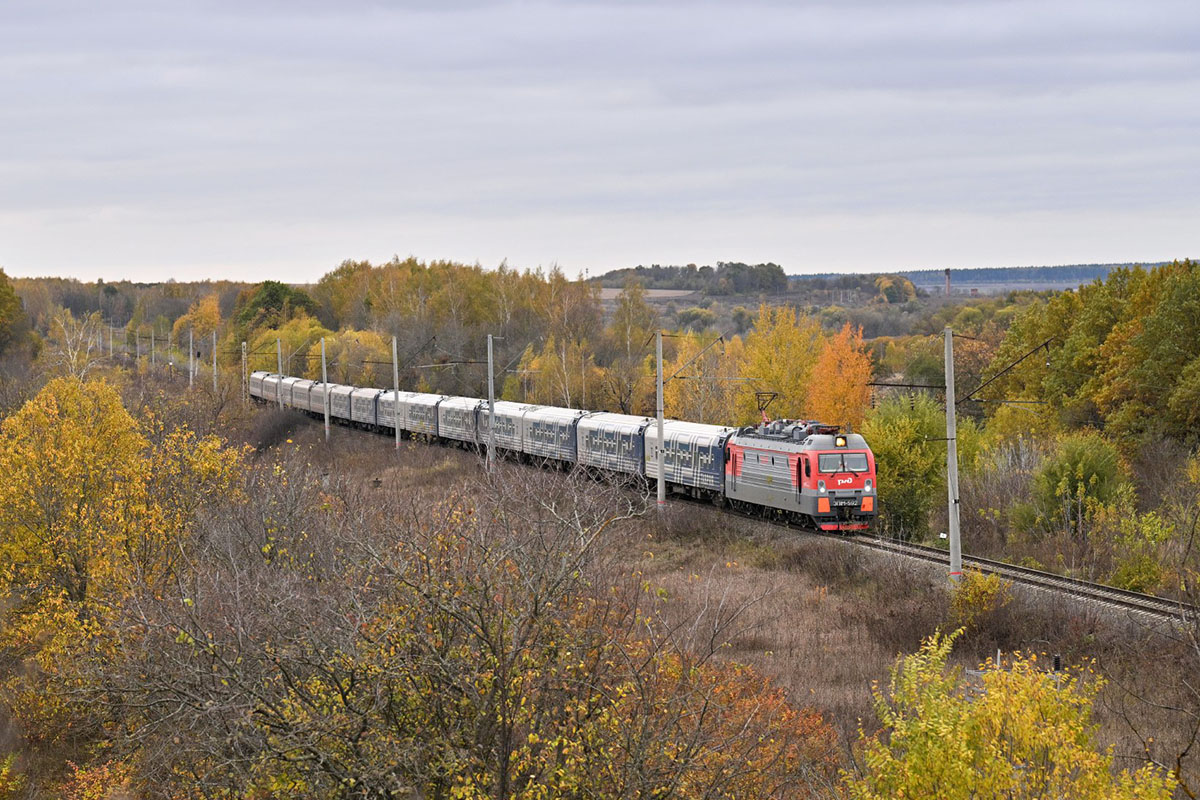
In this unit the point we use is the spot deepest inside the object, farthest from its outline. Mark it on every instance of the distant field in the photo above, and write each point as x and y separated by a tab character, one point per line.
651	294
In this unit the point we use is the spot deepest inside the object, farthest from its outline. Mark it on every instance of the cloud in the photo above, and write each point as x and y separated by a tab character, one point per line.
161	139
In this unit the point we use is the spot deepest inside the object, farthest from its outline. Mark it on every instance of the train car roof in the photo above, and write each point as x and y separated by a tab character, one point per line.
603	419
461	401
554	412
683	427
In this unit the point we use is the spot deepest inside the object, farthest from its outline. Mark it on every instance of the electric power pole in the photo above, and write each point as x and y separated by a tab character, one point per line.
662	480
325	380
491	445
279	360
214	338
952	463
396	393
244	377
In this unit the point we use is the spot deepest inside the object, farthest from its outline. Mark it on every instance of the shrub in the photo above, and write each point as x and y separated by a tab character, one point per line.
977	597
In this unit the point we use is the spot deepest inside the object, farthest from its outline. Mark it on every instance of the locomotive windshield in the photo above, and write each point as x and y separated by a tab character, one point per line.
842	462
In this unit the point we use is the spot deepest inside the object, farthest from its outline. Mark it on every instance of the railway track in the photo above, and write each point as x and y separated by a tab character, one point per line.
1160	607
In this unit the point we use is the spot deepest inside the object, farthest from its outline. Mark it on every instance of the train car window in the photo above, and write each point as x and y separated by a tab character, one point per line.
829	462
856	462
807	468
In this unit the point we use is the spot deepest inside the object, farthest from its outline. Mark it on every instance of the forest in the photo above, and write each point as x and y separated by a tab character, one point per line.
200	600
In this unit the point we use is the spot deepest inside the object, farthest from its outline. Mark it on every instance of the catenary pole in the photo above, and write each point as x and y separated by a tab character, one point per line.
214	338
244	377
325	381
153	350
662	480
279	365
491	445
952	463
395	393
191	358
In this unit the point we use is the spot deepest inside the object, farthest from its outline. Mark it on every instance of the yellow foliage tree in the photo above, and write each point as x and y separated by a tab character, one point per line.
564	373
89	509
296	336
780	354
360	358
1025	733
701	392
837	388
202	319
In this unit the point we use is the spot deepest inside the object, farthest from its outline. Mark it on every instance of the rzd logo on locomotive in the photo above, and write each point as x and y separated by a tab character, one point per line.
845	481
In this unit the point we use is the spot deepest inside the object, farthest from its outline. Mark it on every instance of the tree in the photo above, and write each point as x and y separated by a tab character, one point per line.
838	392
1085	471
13	323
270	304
202	319
907	435
296	337
75	345
779	356
909	461
90	510
626	377
703	391
1024	733
361	358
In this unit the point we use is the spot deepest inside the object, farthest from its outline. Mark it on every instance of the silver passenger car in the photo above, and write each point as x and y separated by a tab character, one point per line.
457	418
389	413
613	442
364	408
694	455
256	383
339	401
285	388
509	424
420	412
271	388
316	397
549	432
300	394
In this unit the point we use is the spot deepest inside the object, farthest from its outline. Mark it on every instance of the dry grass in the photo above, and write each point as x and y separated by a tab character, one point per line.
822	617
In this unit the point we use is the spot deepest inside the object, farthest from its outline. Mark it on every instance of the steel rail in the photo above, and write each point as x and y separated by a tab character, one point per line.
1126	599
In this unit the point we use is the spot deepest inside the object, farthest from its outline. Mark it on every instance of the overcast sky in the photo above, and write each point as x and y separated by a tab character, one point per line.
155	140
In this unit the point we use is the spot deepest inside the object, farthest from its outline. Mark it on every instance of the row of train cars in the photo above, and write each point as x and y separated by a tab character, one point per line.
798	470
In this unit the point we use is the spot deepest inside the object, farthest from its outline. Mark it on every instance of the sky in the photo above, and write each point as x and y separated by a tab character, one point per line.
252	140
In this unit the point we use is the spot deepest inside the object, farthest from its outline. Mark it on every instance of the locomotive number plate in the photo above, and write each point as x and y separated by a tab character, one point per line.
845	501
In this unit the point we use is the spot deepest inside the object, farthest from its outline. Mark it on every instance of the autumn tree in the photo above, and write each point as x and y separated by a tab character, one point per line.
13	323
704	386
562	373
1022	733
90	510
779	356
296	337
74	346
838	392
361	358
201	320
626	376
270	304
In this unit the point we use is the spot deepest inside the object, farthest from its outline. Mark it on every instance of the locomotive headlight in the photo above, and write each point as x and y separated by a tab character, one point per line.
821	486
868	484
840	441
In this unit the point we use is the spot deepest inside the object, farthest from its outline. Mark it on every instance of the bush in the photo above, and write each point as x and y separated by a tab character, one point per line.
977	597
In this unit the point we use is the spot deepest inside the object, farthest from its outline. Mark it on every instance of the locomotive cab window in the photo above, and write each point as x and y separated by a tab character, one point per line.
842	462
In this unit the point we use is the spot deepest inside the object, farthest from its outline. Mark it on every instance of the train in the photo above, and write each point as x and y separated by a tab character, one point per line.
797	470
